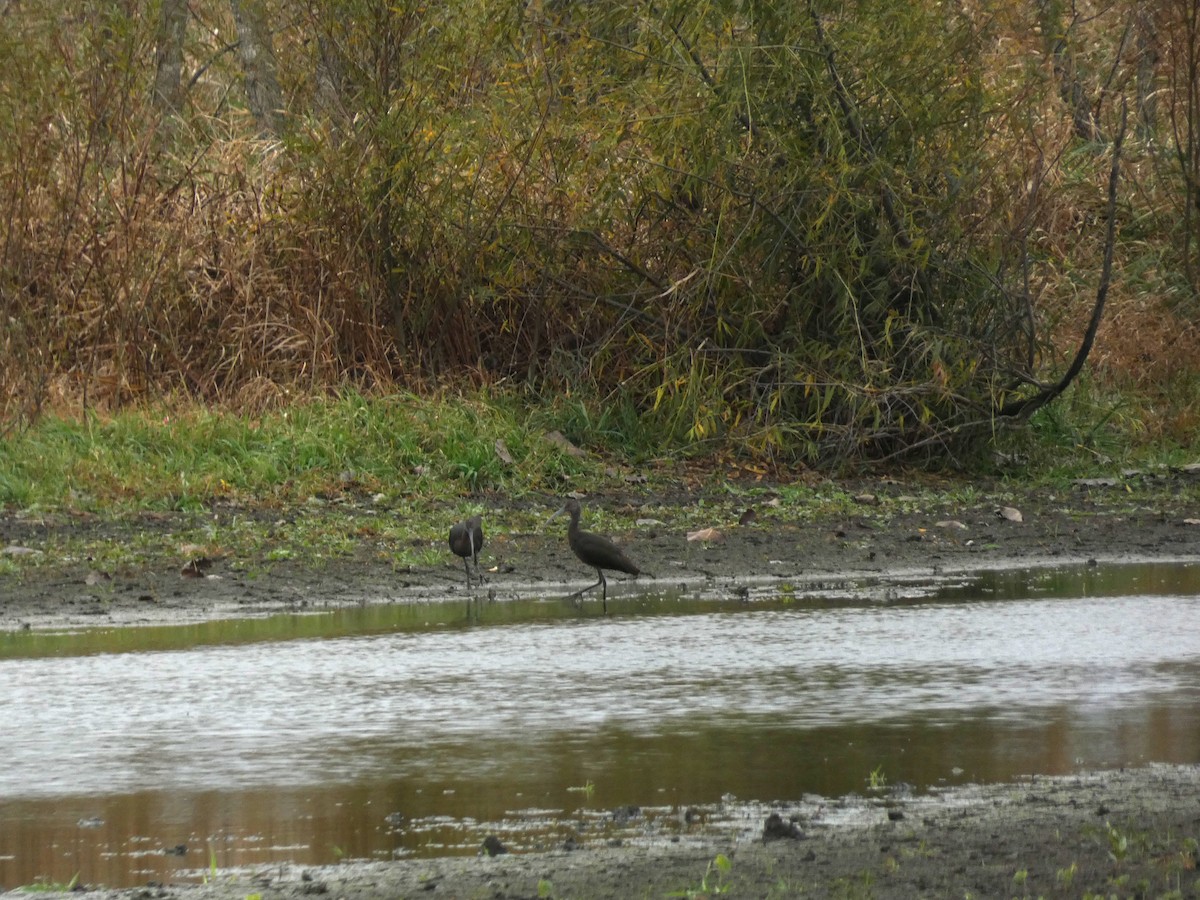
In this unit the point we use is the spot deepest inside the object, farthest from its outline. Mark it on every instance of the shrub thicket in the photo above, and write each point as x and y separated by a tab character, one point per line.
815	230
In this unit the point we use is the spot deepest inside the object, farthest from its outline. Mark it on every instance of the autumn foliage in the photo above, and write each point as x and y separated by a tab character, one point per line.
811	230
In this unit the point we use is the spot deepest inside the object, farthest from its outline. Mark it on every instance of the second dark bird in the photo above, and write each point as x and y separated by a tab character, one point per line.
594	550
466	540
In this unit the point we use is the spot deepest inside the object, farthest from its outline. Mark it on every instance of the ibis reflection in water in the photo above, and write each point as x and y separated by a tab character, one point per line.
594	550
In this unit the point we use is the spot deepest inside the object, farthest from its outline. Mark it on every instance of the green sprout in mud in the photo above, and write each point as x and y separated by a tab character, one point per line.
877	780
1065	877
713	882
586	789
1118	843
47	887
212	866
1123	844
861	886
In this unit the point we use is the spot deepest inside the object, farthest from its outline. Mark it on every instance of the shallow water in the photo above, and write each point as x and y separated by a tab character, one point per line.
388	731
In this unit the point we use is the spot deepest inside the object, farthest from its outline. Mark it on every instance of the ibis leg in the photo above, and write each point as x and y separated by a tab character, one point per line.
580	593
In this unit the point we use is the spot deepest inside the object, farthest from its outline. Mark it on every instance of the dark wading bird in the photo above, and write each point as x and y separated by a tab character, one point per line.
593	550
466	540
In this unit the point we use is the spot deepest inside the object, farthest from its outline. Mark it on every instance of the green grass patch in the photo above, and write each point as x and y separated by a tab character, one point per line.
410	451
402	446
382	476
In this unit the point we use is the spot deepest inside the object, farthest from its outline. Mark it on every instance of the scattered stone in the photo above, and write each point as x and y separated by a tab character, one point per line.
502	452
622	814
13	550
197	567
951	523
492	846
776	828
559	440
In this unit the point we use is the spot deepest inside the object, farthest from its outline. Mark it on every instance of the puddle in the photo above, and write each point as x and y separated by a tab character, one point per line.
371	733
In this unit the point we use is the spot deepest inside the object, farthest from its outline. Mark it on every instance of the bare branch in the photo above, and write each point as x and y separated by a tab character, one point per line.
1027	406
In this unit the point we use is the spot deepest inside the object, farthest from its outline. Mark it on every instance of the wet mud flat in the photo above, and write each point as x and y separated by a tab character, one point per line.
1124	833
1080	526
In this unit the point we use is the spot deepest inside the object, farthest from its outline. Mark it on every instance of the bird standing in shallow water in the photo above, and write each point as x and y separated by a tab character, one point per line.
593	550
466	540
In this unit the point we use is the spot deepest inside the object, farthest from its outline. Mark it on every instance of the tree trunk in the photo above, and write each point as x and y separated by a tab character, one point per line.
1026	407
258	64
331	80
1056	37
1147	63
168	57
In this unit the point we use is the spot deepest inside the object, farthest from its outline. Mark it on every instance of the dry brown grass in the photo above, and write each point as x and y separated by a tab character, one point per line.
144	261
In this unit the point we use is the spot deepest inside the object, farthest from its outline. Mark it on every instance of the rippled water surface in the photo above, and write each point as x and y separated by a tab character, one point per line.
404	730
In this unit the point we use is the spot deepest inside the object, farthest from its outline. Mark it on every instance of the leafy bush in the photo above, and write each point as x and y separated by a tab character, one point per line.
812	233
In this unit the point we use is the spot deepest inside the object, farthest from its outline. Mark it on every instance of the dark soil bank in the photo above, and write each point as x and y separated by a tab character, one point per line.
1129	833
1114	834
1003	527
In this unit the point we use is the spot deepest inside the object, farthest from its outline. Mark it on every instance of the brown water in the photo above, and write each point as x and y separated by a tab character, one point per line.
151	754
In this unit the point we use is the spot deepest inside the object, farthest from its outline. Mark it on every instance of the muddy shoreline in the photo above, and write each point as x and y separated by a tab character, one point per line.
1121	833
779	546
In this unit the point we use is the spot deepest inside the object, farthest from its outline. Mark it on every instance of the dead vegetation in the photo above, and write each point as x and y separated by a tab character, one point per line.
810	235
